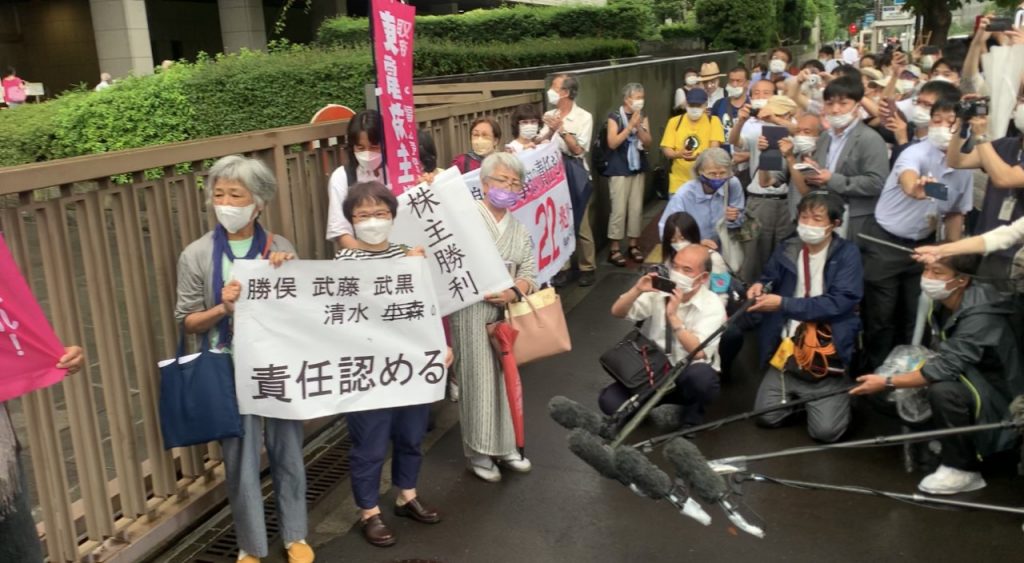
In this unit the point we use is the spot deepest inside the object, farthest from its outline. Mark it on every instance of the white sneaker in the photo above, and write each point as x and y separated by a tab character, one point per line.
516	462
484	467
950	481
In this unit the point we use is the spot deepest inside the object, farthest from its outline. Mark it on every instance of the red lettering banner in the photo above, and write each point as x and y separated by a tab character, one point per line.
393	24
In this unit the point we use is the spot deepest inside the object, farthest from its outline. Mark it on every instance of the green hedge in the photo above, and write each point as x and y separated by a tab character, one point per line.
247	92
738	24
680	31
625	19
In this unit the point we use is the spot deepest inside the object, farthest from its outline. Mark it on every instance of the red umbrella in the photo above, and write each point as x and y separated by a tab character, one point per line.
503	336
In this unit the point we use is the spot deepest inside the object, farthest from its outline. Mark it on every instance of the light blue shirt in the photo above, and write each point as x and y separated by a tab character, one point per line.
835	148
917	219
706	209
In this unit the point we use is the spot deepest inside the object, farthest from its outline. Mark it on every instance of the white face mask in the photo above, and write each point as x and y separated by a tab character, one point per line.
940	136
680	244
777	66
935	289
691	80
842	121
553	97
904	85
232	218
369	160
529	130
1018	118
694	113
927	62
637	105
942	78
373	230
758	104
811	234
804	144
735	91
922	116
683	282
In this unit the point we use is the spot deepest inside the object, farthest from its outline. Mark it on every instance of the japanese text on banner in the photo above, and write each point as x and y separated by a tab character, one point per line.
545	210
29	349
445	220
316	338
393	24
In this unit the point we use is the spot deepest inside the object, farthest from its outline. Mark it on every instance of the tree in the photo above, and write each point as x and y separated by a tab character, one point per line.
850	11
827	14
737	24
937	15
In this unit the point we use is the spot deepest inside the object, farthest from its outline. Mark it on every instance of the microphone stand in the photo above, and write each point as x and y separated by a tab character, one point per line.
649	444
738	464
650	398
913	498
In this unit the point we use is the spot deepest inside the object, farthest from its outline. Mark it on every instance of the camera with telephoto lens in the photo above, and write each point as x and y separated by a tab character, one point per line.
967	109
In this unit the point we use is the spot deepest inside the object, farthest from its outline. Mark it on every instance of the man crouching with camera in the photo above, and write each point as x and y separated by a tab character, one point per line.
678	312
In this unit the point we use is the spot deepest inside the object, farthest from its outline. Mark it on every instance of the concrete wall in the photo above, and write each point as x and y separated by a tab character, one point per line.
601	92
56	45
179	28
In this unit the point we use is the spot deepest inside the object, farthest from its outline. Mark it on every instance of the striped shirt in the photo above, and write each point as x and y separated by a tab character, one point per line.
392	251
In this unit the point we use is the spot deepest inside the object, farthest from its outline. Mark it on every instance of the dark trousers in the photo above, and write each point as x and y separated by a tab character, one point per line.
892	286
696	387
953	406
372	432
18	538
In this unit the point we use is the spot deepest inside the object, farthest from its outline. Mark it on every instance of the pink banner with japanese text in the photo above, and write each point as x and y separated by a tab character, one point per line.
29	349
393	24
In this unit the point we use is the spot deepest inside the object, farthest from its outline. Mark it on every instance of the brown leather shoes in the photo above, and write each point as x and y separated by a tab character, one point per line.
413	509
377	532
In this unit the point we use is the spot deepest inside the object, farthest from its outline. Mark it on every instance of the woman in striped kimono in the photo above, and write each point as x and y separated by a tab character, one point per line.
487	436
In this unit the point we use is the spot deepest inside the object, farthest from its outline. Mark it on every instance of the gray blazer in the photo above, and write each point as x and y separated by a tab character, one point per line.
195	274
861	169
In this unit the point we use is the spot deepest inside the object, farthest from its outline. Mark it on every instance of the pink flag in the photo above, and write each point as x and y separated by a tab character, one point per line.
393	24
29	349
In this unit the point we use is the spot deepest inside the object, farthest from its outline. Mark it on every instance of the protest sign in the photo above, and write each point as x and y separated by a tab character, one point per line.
445	220
29	349
392	56
545	210
316	338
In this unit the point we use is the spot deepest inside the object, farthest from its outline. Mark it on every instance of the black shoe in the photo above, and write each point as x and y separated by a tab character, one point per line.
562	279
587	278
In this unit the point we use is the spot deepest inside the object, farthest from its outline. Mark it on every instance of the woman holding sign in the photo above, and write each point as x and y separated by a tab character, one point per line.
239	189
488	438
371	208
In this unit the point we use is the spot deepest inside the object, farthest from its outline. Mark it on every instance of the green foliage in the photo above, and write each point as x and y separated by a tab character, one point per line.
829	19
246	92
680	31
737	24
674	9
796	18
849	11
624	19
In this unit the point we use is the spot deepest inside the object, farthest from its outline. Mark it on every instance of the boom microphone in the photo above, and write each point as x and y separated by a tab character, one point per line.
636	468
588	447
693	469
572	415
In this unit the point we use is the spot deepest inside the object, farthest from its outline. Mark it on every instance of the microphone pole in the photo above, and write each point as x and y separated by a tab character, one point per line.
650	399
649	444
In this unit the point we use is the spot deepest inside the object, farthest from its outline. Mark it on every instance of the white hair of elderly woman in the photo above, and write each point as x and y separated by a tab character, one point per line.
508	160
715	156
250	172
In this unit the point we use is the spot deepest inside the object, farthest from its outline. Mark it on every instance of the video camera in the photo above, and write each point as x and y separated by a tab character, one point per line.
967	109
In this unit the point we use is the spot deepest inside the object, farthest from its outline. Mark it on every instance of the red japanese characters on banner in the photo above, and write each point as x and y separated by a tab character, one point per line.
29	350
392	54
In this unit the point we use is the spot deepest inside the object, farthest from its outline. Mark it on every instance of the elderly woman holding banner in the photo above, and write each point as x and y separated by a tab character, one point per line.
239	190
487	433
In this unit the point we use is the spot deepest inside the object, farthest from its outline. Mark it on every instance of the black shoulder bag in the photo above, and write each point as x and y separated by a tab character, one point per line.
636	361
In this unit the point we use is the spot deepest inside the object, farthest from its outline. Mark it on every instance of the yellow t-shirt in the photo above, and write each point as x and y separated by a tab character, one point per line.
682	132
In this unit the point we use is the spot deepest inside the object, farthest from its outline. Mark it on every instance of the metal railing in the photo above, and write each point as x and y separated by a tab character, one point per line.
98	238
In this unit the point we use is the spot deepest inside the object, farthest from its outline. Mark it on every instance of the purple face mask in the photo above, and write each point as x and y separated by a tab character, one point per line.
502	198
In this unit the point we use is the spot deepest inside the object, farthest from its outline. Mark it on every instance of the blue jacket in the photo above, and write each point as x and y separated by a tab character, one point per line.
843	290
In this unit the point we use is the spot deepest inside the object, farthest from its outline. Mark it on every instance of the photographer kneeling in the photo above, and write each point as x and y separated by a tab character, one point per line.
977	372
691	312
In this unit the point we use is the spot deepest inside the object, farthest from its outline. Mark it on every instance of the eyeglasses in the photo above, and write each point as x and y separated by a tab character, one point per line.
377	215
506	182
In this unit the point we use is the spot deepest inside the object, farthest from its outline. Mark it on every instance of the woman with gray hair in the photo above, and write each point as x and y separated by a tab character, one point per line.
628	134
704	197
239	189
487	434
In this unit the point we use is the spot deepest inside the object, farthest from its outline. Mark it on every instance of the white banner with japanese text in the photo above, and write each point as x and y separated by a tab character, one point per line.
316	337
445	220
545	210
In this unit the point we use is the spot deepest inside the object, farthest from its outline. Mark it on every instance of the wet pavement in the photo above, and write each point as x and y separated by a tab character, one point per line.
564	512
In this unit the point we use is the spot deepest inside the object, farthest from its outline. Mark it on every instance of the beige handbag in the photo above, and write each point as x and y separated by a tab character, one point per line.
541	324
